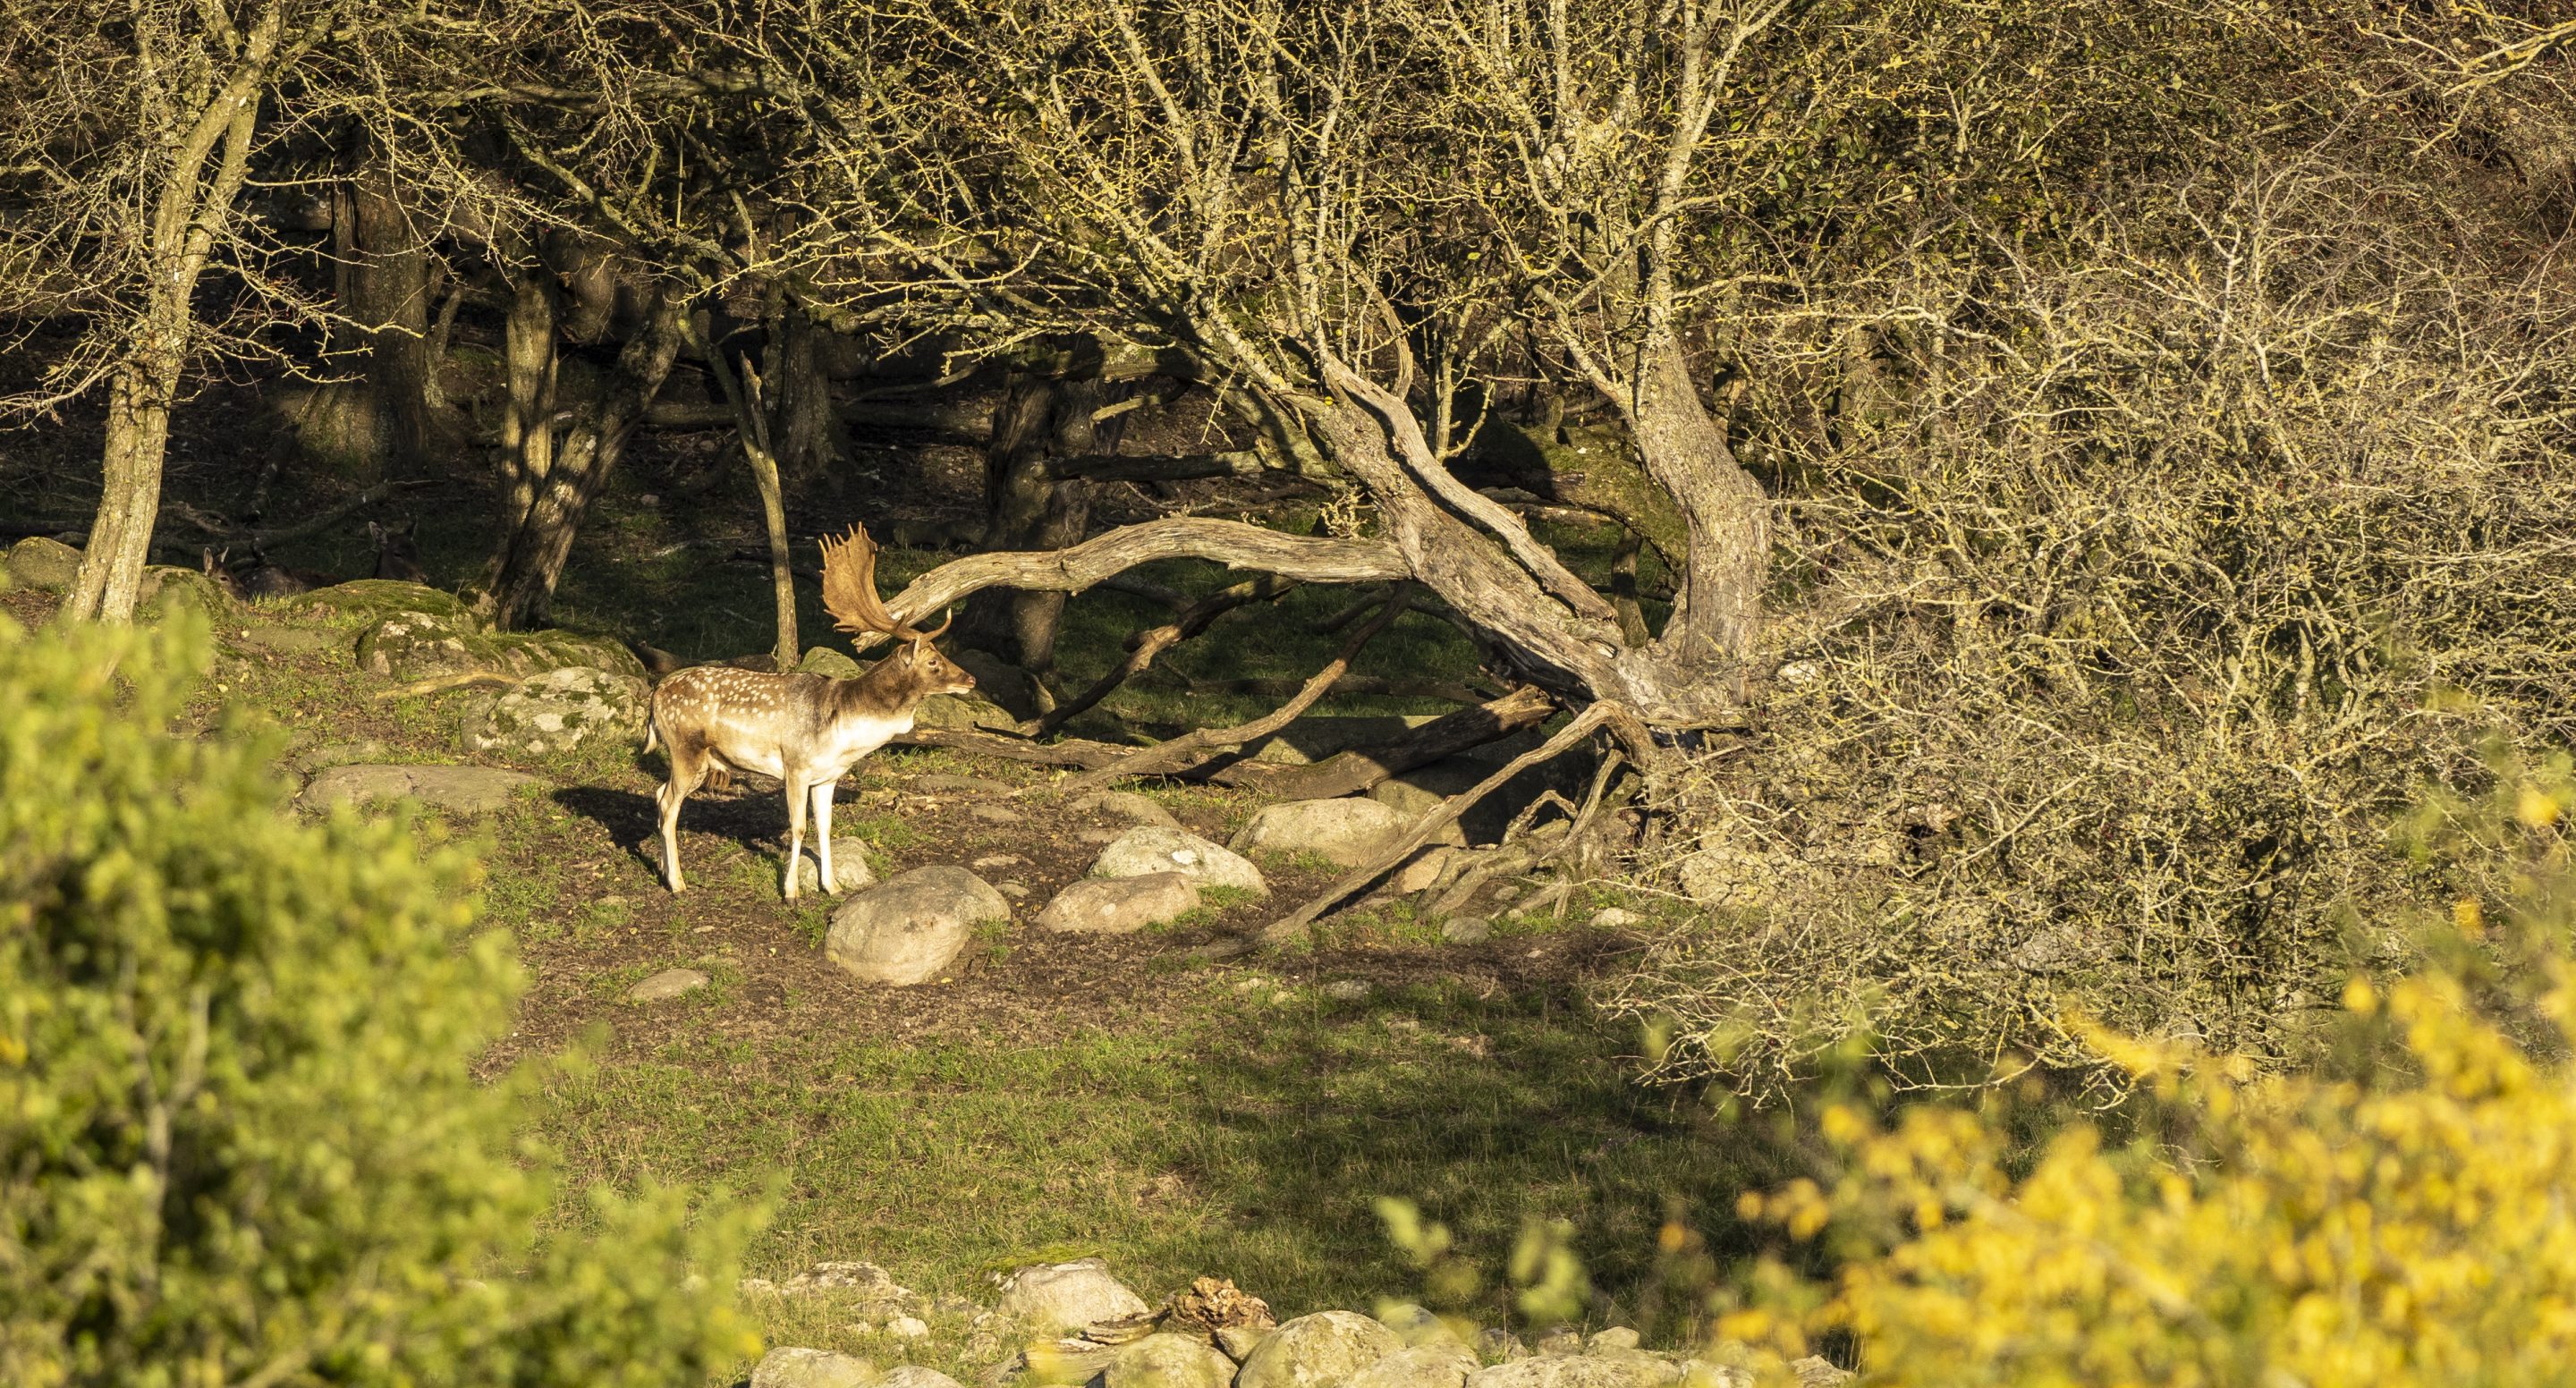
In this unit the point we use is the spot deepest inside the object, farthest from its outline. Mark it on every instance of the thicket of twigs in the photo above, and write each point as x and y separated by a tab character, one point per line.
2147	572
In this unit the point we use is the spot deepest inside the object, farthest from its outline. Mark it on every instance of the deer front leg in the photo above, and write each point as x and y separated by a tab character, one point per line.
795	832
668	797
822	794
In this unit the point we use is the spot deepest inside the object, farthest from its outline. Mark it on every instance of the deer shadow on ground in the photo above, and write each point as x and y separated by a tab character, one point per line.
750	815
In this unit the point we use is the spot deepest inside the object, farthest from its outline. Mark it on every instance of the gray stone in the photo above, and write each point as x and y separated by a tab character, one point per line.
908	929
1444	1364
1168	1361
939	784
913	1375
560	710
462	789
1120	905
995	862
1421	872
1346	990
670	983
912	1328
1349	831
1466	930
1616	1337
1053	1298
996	814
1126	805
1702	1373
1816	1371
849	863
1097	837
1615	918
42	563
1498	1346
1563	1339
1413	801
1016	891
1609	1369
1317	1351
812	1368
1153	848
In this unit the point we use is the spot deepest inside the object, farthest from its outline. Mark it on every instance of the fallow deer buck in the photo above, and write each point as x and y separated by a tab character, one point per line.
806	730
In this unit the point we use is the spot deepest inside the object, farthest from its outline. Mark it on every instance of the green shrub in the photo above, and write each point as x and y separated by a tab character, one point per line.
241	1140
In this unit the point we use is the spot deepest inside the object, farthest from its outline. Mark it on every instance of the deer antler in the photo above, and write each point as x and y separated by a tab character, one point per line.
850	591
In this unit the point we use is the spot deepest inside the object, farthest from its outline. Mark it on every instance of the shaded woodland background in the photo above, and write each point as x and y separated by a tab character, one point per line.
2063	475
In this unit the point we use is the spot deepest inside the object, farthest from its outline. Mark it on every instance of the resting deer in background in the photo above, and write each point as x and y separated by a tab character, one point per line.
806	730
397	550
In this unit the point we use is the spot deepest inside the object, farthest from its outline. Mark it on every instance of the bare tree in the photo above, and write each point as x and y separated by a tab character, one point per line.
125	142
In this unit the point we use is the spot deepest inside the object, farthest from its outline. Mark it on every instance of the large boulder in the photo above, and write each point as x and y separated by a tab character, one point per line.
1317	1351
1120	905
909	928
812	1368
1349	831
915	1376
560	710
424	645
1057	1298
462	789
42	563
1153	848
1442	1364
1169	1361
961	713
378	598
1413	801
1601	1369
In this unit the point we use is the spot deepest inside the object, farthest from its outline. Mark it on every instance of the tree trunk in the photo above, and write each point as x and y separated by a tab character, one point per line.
190	211
1717	608
807	430
743	392
389	298
533	563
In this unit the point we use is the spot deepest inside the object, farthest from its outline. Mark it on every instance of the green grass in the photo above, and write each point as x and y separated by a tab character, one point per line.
1246	1141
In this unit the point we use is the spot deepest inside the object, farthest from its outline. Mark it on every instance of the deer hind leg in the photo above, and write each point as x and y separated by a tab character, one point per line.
688	769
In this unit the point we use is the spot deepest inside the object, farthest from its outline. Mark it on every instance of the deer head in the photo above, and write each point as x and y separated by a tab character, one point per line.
850	595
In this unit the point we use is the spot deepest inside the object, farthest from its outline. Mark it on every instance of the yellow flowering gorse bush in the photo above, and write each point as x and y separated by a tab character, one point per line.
2403	1218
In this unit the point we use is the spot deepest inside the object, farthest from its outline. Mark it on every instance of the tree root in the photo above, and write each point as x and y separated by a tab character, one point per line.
1357	770
1294	924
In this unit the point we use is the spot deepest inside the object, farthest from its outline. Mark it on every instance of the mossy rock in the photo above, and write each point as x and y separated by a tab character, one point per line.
961	712
381	597
43	563
167	589
823	660
560	710
424	645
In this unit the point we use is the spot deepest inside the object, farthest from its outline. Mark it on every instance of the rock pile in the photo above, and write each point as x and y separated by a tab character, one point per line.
1069	1323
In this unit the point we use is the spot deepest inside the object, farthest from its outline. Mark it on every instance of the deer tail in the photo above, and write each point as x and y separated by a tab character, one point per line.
652	734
